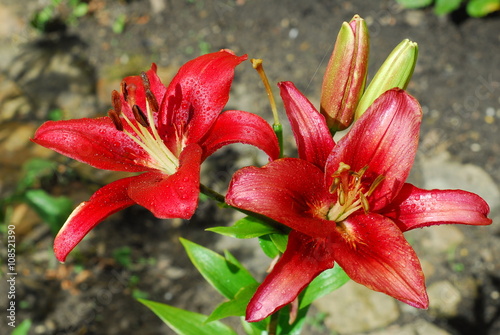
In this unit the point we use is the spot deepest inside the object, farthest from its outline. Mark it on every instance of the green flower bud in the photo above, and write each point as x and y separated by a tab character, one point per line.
396	71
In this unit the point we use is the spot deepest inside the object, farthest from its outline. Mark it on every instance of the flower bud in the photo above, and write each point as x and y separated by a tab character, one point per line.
396	71
345	76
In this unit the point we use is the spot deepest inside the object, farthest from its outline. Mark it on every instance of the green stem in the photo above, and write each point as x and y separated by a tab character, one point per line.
272	328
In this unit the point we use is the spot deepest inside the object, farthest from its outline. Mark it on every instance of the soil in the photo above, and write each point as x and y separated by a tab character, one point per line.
133	254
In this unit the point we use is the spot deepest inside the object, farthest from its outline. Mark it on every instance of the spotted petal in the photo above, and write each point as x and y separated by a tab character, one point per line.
416	208
287	190
303	260
106	201
197	94
241	127
373	252
314	141
93	141
174	196
385	139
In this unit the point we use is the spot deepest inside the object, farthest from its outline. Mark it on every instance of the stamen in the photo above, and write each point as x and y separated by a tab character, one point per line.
364	202
113	115
140	116
374	185
116	102
123	87
150	97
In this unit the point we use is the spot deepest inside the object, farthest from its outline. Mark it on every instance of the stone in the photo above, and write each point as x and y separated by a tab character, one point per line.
419	327
440	171
444	299
356	309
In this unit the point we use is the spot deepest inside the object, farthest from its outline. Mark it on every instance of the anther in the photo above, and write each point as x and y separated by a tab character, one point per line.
123	87
364	202
140	116
153	103
116	102
117	121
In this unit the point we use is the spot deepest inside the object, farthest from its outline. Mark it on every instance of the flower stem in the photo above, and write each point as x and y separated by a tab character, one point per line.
273	324
277	127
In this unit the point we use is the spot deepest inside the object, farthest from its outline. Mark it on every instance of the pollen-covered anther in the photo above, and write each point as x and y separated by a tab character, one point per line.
123	87
150	97
116	102
139	116
117	121
353	191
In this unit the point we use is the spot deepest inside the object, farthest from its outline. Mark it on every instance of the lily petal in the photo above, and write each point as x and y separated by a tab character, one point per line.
197	94
385	139
417	208
106	201
96	142
288	190
241	127
373	252
314	141
304	259
174	196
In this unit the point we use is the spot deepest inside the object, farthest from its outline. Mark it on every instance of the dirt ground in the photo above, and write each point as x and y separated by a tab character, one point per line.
132	254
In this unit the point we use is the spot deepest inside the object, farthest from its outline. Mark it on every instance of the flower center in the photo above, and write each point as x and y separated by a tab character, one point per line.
353	189
143	131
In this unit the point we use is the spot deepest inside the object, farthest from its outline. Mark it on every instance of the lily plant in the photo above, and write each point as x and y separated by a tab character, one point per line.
337	211
164	132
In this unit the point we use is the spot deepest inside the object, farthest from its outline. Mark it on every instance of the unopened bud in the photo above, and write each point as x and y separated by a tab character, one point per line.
345	76
396	71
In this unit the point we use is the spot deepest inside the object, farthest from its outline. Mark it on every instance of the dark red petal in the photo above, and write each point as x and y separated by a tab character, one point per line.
174	196
416	208
303	260
314	141
92	141
241	127
385	139
288	190
197	94
106	201
373	252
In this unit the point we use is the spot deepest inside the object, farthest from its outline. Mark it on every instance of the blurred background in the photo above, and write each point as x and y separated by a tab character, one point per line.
60	59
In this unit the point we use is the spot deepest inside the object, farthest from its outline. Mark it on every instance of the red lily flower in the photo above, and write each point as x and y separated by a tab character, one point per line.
352	207
165	132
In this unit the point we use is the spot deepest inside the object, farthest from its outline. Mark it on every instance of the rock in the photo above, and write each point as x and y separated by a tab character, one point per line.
419	327
444	299
440	171
356	309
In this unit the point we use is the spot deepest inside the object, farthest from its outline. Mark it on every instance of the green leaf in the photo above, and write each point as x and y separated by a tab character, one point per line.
248	227
280	241
414	3
23	328
480	8
53	210
236	306
284	326
268	246
255	328
273	244
328	281
443	7
225	275
34	170
185	322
